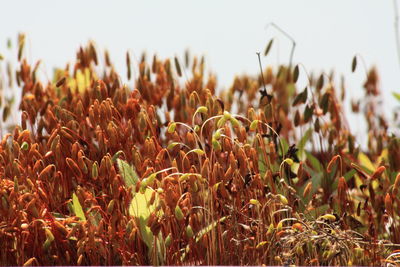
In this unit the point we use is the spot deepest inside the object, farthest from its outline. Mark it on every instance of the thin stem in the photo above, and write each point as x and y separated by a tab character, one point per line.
288	36
261	71
192	130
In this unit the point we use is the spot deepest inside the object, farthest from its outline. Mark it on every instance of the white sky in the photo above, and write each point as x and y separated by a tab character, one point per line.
328	33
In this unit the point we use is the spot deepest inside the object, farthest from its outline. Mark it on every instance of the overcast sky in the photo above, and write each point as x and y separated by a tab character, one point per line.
327	33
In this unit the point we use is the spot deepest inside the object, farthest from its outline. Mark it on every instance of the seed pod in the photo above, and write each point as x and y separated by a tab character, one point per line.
49	239
216	145
202	109
110	206
329	217
378	173
178	67
279	227
30	262
189	231
191	142
397	182
81	162
74	167
254	202
389	204
342	189
61	228
298	227
32	209
80	259
307	190
330	164
178	213
254	125
168	240
60	82
67	136
45	173
283	199
171	127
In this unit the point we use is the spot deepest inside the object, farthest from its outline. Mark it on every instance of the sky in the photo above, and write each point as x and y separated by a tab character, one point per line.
228	32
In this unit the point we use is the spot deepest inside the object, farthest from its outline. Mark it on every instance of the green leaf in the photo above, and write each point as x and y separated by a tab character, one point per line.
145	232
303	141
314	162
262	167
366	162
140	206
396	95
285	146
77	207
127	172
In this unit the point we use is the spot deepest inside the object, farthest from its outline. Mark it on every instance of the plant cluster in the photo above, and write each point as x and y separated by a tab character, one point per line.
174	173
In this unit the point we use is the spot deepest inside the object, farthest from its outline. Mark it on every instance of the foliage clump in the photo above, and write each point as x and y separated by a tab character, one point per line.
171	172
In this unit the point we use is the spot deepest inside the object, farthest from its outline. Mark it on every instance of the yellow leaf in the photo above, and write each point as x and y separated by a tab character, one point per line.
140	205
365	161
80	81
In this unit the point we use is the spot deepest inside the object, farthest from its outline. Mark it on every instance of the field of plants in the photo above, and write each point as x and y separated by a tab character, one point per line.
169	170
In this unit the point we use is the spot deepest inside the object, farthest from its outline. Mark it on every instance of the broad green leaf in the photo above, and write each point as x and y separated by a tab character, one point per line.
314	162
145	232
349	174
366	162
396	95
285	146
262	168
78	208
128	173
303	141
140	206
